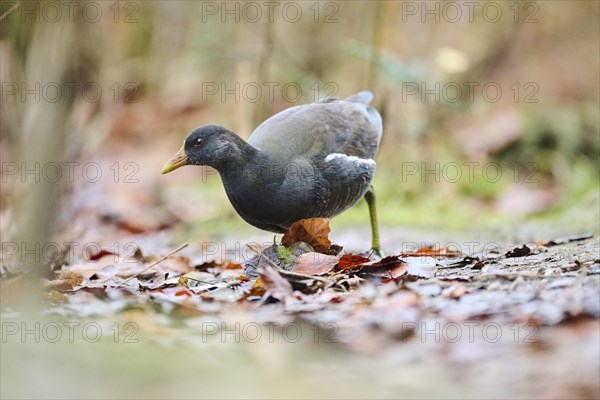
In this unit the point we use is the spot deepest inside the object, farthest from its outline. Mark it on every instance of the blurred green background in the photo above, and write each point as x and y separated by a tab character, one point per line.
489	119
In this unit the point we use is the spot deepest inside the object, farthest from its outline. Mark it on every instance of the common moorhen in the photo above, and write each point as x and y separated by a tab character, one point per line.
308	161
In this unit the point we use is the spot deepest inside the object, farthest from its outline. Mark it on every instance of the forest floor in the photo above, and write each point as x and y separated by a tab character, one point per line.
501	321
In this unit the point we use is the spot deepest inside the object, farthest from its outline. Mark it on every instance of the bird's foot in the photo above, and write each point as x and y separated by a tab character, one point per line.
377	251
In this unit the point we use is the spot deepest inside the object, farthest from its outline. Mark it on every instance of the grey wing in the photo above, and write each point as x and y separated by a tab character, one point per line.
349	126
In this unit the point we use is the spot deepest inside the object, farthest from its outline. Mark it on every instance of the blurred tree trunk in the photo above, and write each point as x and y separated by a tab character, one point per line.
40	142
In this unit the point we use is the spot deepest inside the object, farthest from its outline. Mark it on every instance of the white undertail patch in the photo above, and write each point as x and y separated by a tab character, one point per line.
351	159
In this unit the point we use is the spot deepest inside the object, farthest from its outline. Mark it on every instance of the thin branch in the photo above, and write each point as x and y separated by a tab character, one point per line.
183	246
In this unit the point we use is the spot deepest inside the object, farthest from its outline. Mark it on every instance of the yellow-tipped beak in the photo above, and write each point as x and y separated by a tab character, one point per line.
178	160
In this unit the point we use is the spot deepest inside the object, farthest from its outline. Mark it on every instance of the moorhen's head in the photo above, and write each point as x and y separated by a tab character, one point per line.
207	145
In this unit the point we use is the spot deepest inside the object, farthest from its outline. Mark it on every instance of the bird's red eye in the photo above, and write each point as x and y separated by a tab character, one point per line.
199	142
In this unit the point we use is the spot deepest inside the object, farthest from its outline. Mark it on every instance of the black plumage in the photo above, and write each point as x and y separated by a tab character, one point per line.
313	160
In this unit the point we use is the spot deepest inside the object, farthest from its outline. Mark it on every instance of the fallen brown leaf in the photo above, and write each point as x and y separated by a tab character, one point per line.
99	254
349	261
183	281
232	265
277	286
66	280
519	251
314	263
387	267
258	288
431	251
456	291
314	231
392	266
400	269
384	262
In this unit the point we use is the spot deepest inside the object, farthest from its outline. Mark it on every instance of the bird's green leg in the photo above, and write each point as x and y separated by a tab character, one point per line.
370	198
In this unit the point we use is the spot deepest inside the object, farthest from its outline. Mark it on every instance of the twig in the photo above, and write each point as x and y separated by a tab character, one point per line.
183	246
260	254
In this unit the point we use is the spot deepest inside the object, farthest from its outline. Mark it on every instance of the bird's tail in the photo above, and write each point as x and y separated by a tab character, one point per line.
361	97
365	98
